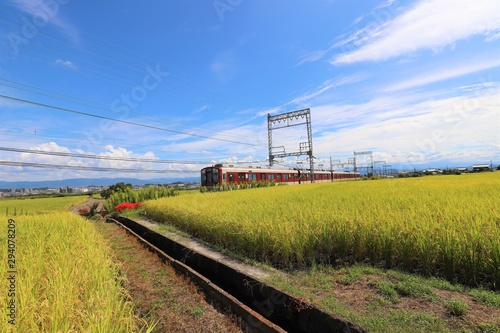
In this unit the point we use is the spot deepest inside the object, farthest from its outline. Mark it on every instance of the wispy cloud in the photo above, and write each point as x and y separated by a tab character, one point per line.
224	65
50	11
431	24
441	74
311	56
325	86
201	108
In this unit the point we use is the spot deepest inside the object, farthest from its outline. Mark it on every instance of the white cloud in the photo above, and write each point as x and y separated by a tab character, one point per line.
462	128
110	151
50	159
431	24
65	63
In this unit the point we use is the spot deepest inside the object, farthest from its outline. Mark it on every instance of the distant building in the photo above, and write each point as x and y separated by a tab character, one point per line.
462	169
66	189
176	185
433	171
480	167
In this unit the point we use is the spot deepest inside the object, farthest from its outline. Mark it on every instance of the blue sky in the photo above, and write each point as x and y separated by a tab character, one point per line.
416	82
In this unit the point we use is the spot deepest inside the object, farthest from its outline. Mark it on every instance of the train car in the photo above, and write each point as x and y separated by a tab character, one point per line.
220	174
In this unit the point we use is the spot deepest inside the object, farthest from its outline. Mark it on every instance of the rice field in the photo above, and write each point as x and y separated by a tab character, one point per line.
446	226
62	278
33	205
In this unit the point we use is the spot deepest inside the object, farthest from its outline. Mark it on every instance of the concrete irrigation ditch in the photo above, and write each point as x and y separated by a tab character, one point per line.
263	307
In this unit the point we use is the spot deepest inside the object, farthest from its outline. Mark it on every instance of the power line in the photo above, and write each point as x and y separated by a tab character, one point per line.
102	106
220	158
115	59
111	158
99	157
85	168
125	121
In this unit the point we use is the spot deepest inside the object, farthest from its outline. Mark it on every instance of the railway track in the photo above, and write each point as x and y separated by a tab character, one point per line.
261	307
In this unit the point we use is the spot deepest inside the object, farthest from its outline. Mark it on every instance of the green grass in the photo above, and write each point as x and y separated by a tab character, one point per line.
385	295
388	290
486	297
457	307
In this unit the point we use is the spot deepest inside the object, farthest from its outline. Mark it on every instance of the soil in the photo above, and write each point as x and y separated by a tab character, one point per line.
90	202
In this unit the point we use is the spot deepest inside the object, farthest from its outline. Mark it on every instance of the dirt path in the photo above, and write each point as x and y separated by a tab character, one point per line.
91	201
159	293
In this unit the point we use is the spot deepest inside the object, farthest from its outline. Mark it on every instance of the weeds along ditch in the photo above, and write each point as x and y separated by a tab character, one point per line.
128	195
447	226
65	278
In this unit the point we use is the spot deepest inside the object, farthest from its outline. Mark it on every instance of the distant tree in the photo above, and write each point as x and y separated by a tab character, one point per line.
451	172
498	167
118	187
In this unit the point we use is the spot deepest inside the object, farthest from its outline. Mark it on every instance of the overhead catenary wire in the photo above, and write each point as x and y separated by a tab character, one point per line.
121	54
93	104
220	159
127	55
112	158
115	54
100	157
125	121
123	57
88	168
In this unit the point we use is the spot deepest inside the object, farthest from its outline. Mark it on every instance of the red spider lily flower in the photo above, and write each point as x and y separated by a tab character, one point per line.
127	205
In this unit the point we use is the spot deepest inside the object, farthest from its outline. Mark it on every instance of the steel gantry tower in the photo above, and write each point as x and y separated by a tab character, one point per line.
288	119
356	161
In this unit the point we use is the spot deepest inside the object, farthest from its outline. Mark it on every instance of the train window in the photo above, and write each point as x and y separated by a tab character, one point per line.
203	176
270	176
252	176
262	176
230	177
241	177
278	176
286	176
215	176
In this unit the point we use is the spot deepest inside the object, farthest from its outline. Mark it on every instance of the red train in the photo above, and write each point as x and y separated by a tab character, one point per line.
219	174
